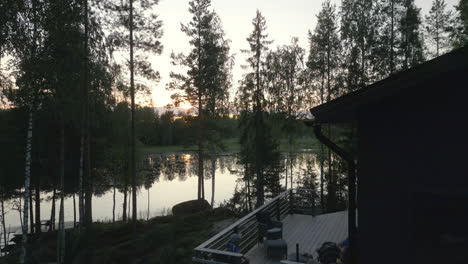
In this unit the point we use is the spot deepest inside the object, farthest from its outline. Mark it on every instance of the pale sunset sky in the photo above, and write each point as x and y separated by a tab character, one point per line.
285	19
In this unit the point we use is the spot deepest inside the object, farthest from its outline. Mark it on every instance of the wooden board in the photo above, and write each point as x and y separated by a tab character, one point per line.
310	232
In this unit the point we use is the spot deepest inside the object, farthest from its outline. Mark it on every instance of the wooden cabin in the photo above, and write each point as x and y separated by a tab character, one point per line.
411	163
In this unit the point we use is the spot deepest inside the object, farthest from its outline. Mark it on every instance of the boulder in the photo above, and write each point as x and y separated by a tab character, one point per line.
190	207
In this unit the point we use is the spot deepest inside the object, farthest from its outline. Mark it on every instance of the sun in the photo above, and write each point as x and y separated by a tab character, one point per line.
185	105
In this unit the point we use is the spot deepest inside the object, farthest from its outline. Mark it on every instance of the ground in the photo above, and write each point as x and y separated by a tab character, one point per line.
167	239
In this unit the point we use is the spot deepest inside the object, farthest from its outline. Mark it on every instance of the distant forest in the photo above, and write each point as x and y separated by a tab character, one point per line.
71	71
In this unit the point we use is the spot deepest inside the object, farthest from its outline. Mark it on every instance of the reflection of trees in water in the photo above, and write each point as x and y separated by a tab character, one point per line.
181	166
172	166
299	167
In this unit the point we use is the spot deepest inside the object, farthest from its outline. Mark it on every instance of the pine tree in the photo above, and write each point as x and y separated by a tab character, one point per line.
84	128
438	26
284	82
324	62
358	35
207	80
258	149
411	45
138	30
459	29
386	60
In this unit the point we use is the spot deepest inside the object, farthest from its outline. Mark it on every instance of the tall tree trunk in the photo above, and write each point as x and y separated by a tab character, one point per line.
331	194
201	180
20	208
61	233
80	179
52	210
132	132
291	170
148	212
113	206
213	176
124	206
31	215
392	37
3	218
88	177
37	193
287	166
74	211
249	195
27	177
437	36
89	183
129	203
322	159
81	208
258	159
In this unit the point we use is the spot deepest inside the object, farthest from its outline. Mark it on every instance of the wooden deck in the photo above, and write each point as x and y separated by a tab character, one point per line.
310	232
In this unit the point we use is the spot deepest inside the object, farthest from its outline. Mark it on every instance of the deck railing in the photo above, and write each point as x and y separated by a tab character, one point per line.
293	201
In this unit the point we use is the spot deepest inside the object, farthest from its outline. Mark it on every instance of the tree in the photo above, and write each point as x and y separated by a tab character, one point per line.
284	74
25	47
438	26
324	62
388	13
10	10
63	53
459	30
258	148
206	82
411	45
358	35
84	140
138	30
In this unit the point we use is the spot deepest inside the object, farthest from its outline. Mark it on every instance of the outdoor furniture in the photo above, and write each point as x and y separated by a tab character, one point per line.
265	223
276	249
274	233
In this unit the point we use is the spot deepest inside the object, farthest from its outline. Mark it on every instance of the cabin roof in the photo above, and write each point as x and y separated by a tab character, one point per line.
344	109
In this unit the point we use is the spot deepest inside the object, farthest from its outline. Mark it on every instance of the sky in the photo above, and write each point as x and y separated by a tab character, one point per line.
285	19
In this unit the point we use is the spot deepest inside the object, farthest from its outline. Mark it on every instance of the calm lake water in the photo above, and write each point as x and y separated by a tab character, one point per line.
175	181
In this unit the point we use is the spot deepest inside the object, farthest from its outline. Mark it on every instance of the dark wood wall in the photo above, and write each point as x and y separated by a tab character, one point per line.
413	174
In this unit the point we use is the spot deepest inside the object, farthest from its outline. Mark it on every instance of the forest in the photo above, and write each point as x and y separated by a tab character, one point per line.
75	122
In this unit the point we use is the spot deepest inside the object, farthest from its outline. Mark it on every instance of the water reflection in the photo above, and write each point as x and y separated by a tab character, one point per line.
168	179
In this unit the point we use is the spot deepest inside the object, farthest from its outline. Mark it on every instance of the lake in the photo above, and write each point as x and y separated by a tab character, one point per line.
175	181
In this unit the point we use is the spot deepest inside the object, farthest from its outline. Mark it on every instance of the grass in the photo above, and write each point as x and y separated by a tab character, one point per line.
233	145
166	239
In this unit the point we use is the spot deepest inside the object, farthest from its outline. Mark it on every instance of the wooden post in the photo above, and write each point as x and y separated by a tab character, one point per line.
291	203
278	211
313	203
297	252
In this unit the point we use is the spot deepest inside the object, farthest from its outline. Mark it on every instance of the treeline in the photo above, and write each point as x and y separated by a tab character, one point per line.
169	128
74	68
360	43
68	104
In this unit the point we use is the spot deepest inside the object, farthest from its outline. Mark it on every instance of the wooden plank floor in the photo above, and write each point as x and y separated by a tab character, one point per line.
310	232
